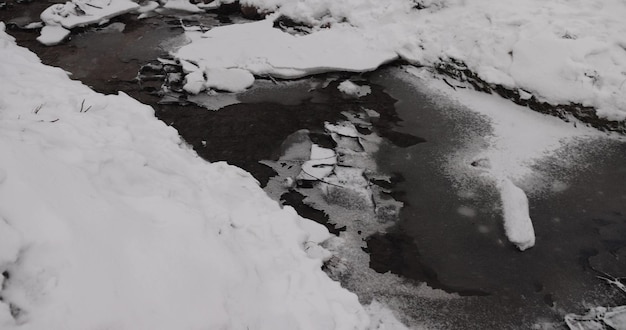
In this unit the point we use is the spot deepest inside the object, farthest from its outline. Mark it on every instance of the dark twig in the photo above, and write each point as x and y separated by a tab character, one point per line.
82	107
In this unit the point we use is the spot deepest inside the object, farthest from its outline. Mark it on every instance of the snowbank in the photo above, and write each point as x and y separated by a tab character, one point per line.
84	12
107	220
262	50
560	52
60	18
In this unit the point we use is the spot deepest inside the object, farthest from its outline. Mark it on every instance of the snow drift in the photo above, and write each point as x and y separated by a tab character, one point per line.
107	220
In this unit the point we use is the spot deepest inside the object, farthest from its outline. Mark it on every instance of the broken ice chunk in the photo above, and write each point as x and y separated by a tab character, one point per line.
344	128
347	186
321	164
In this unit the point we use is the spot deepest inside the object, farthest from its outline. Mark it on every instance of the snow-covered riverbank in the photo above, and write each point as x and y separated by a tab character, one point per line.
108	220
559	52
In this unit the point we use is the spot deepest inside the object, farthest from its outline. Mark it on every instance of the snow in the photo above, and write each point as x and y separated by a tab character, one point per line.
84	12
511	150
53	34
230	80
560	52
262	50
108	220
320	164
349	88
517	224
182	5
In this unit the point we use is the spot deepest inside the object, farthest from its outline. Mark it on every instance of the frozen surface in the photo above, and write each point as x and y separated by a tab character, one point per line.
557	51
321	164
510	151
598	318
109	221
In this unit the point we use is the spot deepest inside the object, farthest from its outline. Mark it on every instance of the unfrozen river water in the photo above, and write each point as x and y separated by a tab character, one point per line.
446	236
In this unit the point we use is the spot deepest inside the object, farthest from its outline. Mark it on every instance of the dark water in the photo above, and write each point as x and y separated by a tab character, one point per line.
579	229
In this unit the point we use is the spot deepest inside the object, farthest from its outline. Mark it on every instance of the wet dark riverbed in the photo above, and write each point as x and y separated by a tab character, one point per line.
450	239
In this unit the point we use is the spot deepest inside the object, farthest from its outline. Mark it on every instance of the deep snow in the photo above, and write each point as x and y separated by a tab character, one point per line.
108	220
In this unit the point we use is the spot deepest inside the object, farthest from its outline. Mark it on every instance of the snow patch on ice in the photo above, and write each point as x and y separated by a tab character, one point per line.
349	88
53	34
229	80
320	165
182	5
511	151
517	223
262	50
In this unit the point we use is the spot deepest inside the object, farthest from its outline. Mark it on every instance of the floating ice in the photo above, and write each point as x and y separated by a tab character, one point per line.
320	165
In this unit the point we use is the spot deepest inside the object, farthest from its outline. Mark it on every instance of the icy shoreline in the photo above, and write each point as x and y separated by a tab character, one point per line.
109	220
564	59
536	53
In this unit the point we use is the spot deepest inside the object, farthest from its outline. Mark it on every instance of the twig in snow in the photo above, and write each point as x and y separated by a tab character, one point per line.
272	79
449	84
90	5
82	107
36	110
